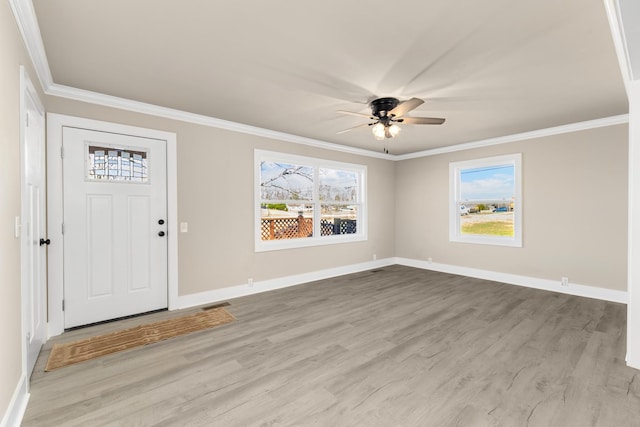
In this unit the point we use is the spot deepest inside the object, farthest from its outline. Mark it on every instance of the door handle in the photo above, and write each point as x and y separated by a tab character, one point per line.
161	233
45	242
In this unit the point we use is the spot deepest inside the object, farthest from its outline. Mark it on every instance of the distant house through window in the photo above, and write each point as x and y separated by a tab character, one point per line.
304	201
486	200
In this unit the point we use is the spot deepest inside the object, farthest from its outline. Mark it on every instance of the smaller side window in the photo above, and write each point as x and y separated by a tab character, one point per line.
486	201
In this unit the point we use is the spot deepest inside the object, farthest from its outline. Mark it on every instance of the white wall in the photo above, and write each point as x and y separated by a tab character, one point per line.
633	308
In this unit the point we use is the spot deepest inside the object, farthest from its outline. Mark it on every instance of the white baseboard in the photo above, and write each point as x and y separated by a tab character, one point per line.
514	279
227	293
632	362
18	405
223	294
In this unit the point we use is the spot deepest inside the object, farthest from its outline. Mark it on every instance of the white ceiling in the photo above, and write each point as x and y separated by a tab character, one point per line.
491	68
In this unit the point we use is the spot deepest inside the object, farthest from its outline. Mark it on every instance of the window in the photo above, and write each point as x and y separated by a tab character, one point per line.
485	201
116	164
304	201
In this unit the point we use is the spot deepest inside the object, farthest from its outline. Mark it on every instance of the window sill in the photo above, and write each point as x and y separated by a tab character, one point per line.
276	245
484	240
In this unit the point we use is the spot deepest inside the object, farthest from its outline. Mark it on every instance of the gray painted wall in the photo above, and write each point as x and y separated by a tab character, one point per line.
215	196
574	209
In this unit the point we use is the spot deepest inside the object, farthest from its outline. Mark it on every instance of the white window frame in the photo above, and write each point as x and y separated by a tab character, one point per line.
454	194
317	239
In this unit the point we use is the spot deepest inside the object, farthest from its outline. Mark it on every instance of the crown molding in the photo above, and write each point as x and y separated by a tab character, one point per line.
28	24
619	40
557	130
183	116
169	113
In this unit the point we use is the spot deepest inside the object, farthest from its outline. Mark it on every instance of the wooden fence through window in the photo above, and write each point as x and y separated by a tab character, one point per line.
291	228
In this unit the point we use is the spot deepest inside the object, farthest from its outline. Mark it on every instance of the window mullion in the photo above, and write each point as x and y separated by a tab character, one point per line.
316	205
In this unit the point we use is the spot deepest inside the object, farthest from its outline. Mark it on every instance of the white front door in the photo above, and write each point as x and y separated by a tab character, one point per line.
115	213
33	225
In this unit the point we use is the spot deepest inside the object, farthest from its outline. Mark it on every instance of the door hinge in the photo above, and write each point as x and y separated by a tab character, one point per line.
62	152
62	305
27	119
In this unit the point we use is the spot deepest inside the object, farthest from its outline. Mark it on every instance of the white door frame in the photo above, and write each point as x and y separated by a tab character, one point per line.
27	89
55	124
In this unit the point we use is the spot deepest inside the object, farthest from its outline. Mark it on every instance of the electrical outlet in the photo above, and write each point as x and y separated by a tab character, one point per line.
250	282
375	257
564	281
430	260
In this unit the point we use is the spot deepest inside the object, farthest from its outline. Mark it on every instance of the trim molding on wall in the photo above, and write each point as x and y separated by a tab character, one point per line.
515	279
222	294
556	130
217	295
28	25
619	41
17	406
183	116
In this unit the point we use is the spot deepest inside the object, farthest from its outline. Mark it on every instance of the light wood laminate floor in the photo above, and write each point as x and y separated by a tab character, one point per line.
396	347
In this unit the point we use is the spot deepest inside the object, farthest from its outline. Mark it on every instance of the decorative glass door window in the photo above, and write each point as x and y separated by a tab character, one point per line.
116	164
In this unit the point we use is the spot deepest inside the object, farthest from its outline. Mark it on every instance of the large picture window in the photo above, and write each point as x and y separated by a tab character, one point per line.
486	201
304	201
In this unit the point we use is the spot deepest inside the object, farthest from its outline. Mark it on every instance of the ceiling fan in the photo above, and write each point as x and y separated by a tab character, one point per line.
387	112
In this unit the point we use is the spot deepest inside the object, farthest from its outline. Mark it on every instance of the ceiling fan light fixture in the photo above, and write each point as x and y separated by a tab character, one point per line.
386	113
378	131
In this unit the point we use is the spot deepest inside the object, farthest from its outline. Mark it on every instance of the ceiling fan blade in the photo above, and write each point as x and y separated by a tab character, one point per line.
421	121
351	113
406	106
355	127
